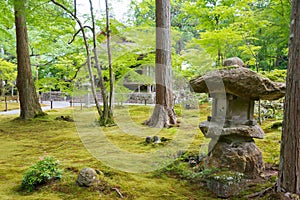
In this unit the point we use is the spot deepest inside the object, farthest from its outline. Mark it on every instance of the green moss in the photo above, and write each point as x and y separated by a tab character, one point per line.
270	145
23	142
227	177
228	67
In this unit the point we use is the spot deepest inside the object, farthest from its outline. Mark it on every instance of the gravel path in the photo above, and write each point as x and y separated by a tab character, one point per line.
60	104
56	104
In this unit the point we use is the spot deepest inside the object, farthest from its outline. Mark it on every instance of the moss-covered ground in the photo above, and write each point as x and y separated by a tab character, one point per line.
10	105
24	142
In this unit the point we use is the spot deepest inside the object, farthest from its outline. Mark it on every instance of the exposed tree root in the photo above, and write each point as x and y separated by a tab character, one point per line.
162	117
261	193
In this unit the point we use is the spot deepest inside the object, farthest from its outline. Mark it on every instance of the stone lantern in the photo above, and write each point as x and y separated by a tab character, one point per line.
231	125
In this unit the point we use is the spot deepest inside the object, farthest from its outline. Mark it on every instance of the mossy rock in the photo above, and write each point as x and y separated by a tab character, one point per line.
226	183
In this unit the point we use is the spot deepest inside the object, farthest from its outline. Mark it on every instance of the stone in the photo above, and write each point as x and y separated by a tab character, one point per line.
156	139
148	139
65	118
87	177
240	156
239	81
234	61
193	161
213	130
225	184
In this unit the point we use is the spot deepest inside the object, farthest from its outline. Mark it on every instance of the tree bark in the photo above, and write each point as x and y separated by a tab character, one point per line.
1	88
29	103
106	118
289	168
163	114
109	56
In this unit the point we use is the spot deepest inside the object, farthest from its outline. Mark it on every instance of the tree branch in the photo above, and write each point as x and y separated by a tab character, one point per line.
74	36
73	15
76	72
67	10
75	8
93	23
10	57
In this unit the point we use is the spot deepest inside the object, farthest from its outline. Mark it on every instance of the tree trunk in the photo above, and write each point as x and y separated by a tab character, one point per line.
105	118
111	72
163	114
29	103
1	88
289	168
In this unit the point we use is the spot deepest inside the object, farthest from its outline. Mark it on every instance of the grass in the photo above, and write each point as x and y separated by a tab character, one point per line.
23	142
10	105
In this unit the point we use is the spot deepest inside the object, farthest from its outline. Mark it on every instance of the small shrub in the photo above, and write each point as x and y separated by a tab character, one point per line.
43	172
275	75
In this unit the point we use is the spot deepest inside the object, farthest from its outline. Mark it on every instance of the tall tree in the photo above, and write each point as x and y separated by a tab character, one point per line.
163	114
88	54
105	113
289	168
29	103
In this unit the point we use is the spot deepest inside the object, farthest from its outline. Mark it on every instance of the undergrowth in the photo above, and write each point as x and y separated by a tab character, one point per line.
43	172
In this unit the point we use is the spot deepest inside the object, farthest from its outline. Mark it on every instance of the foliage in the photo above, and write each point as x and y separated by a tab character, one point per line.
196	61
60	74
276	75
244	29
7	32
144	12
249	30
8	72
41	173
203	34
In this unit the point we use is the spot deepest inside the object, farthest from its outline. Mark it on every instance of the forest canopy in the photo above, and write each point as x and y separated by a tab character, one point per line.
204	33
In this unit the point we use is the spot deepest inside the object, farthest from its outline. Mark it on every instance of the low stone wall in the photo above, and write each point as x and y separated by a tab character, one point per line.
53	96
146	98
